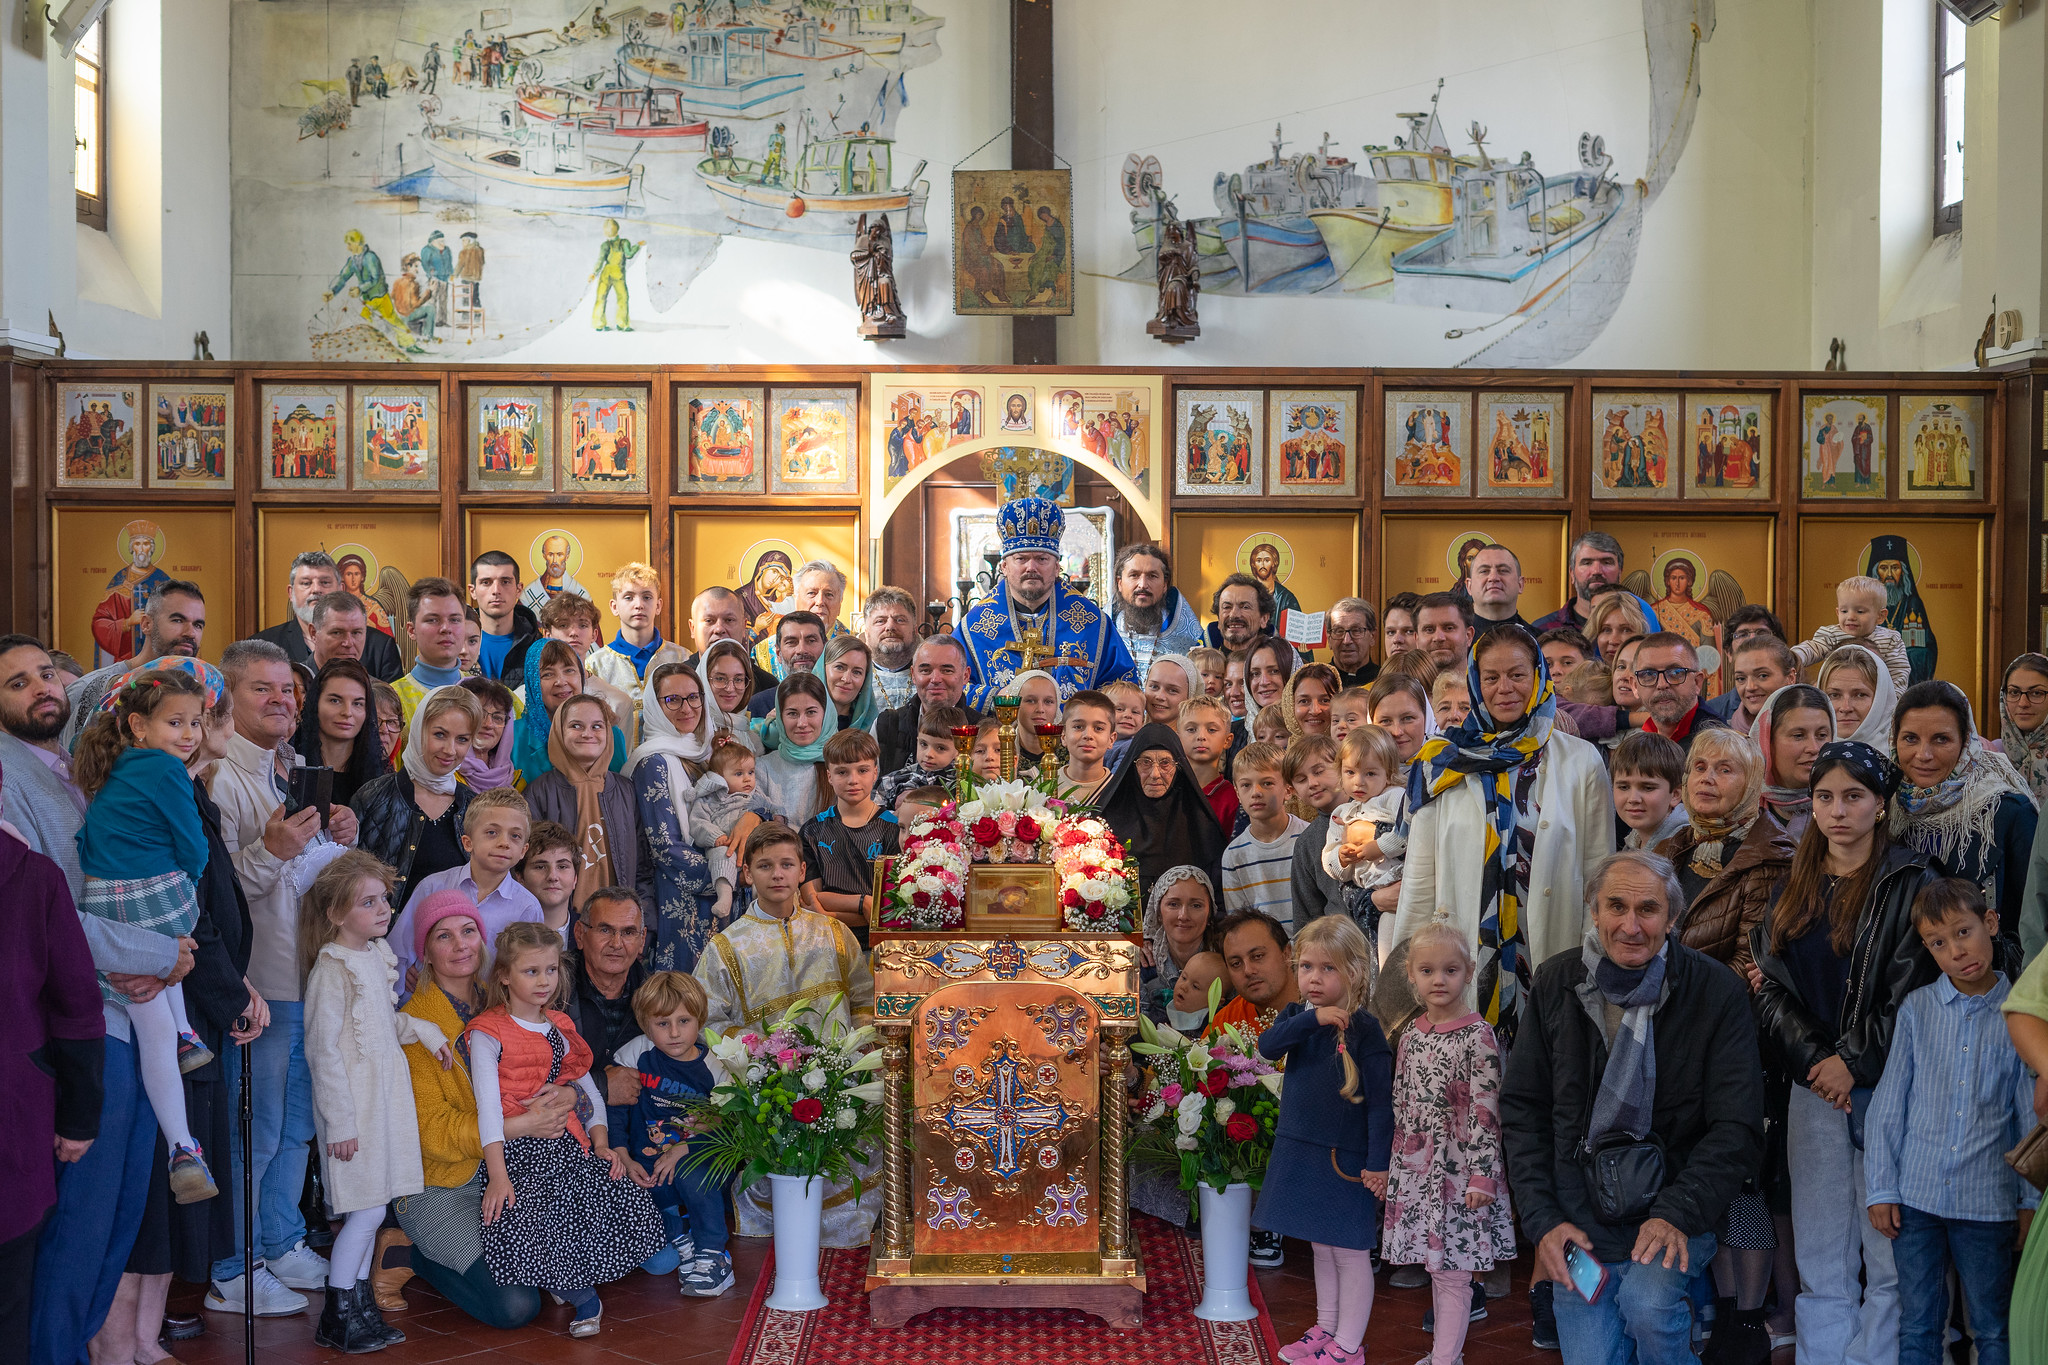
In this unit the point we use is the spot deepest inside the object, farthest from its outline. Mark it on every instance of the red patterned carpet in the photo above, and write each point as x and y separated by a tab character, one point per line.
840	1334
646	1322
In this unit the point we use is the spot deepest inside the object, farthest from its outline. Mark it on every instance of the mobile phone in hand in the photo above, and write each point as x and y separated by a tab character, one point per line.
309	787
1589	1277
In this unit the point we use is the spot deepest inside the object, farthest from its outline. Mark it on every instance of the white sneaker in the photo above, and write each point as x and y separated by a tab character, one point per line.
301	1268
273	1300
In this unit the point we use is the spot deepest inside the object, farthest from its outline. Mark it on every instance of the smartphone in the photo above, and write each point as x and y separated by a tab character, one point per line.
1589	1277
309	787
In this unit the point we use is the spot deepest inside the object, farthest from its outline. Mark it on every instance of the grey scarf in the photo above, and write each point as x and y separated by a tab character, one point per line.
1628	1088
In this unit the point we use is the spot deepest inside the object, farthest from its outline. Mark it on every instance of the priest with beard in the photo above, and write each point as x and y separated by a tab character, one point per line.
1075	642
1151	615
889	627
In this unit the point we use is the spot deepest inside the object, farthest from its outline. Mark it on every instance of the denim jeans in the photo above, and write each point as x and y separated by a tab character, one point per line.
702	1196
1642	1317
89	1233
1848	1307
477	1292
1982	1255
281	1134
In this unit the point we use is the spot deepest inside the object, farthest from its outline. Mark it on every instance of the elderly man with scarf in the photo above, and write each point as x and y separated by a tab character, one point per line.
1640	1052
1074	639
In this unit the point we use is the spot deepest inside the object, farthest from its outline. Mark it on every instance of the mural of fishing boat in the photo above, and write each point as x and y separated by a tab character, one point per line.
818	198
722	72
1416	201
896	33
1262	238
618	118
540	167
1516	230
805	41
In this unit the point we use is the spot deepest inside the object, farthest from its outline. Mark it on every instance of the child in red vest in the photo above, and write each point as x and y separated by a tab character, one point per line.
559	1213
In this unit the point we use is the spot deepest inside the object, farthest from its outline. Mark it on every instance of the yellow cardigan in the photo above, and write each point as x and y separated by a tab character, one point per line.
450	1146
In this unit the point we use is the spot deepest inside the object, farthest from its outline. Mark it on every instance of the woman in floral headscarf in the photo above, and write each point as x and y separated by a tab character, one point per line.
1484	786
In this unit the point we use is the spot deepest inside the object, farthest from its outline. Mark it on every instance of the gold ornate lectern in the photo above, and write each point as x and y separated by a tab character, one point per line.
1003	1176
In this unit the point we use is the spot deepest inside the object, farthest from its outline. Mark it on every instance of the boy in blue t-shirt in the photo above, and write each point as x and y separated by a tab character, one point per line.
677	1073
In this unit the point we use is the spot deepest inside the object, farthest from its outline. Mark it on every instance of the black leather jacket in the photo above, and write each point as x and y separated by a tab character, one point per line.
1887	963
389	821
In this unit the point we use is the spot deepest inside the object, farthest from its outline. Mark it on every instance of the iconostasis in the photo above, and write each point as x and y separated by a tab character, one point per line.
1722	489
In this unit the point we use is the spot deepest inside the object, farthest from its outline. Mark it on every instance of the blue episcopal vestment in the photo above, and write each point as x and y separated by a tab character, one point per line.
1085	649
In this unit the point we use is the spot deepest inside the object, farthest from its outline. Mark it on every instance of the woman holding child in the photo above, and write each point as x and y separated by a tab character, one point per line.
1180	912
1488	786
675	742
443	1219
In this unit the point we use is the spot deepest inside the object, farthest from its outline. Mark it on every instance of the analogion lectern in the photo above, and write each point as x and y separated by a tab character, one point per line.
1005	1044
1003	1174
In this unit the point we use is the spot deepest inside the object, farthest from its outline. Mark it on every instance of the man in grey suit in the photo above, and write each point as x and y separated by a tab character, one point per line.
86	1240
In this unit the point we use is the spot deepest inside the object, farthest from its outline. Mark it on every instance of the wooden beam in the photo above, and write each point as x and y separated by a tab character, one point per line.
1033	341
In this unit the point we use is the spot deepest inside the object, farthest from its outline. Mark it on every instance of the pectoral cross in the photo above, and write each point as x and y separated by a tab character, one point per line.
1031	646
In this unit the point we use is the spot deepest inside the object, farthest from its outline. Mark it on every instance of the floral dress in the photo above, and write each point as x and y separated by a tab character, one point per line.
683	919
1446	1141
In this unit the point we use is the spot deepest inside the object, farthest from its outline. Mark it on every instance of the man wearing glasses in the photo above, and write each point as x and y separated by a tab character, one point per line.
603	972
1354	627
1668	686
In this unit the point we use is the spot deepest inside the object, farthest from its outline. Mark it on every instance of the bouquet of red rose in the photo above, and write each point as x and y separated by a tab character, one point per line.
1098	888
801	1100
928	879
1209	1107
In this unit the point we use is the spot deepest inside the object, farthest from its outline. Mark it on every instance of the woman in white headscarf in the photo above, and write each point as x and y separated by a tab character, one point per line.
1038	703
1860	689
728	677
675	738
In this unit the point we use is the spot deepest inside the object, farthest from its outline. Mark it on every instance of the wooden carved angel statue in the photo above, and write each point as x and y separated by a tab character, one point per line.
874	280
1180	280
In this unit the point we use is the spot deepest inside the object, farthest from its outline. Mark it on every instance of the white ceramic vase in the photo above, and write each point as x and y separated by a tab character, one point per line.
799	1213
1226	1254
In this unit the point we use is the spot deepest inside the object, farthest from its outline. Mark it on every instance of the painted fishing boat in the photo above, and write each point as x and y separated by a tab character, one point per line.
624	118
896	33
1413	182
820	196
805	41
722	72
1516	228
536	167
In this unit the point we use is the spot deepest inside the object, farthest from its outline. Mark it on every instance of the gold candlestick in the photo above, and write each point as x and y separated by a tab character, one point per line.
963	746
1051	746
1006	734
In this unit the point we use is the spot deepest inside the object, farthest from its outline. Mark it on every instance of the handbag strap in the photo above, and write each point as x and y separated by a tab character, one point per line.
1354	1179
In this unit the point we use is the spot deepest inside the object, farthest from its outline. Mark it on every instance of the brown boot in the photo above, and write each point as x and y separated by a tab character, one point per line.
386	1279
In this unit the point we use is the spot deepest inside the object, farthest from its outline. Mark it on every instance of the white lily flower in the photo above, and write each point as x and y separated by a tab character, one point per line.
1271	1081
870	1093
857	1039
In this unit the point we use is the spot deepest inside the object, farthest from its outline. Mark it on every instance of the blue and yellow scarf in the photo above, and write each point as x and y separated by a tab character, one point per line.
1479	746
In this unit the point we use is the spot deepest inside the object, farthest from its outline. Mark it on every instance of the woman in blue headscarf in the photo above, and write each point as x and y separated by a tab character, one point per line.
553	675
791	776
1489	783
847	666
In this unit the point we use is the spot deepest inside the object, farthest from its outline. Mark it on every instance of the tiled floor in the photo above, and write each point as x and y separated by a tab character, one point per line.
646	1320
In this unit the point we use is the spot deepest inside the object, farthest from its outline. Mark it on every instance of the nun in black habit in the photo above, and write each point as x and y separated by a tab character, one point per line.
1154	804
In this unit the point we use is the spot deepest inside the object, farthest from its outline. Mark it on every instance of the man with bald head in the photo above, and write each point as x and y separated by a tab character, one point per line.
718	614
939	673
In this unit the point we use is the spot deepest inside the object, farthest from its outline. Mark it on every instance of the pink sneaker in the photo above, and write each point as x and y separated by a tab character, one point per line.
1310	1345
1333	1354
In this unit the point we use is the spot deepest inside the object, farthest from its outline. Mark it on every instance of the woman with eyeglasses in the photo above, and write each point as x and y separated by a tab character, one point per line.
676	735
2023	721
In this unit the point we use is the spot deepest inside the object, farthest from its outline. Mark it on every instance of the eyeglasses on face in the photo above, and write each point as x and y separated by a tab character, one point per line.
1350	632
1664	677
677	701
2035	695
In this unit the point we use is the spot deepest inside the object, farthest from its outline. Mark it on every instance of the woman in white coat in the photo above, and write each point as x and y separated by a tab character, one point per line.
1508	818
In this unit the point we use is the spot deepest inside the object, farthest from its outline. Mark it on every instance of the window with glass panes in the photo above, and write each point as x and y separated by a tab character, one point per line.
89	126
1948	122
